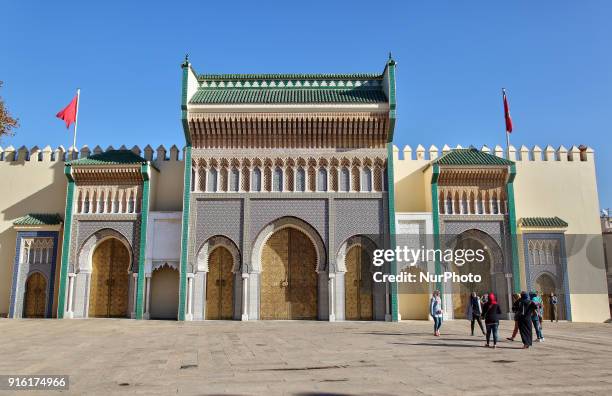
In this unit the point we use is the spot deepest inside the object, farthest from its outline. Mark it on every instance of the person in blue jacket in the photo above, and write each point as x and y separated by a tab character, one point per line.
536	317
435	310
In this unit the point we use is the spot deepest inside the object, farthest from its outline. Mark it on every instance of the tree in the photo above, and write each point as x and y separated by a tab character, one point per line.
7	122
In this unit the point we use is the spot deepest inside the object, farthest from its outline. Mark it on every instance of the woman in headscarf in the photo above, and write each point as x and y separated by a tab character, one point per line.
526	309
491	312
516	299
435	310
474	312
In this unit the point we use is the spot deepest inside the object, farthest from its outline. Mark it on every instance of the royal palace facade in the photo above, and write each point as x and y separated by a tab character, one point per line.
285	187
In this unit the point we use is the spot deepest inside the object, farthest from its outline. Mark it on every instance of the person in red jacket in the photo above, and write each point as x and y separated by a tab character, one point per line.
491	313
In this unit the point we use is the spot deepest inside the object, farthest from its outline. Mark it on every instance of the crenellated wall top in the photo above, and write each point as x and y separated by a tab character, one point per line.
60	154
522	154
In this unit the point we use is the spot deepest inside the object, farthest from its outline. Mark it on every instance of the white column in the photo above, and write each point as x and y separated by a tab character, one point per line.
196	178
189	313
147	314
70	304
499	208
134	293
490	206
245	285
475	206
388	316
454	206
461	206
509	283
332	292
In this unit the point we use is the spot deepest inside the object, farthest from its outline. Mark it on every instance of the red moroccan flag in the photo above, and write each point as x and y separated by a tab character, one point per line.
69	113
507	113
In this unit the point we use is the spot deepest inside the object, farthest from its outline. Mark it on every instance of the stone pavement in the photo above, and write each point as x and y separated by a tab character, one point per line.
110	356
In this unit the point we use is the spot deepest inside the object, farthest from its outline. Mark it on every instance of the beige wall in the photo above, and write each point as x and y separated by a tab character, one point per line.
39	186
564	185
568	189
27	187
168	186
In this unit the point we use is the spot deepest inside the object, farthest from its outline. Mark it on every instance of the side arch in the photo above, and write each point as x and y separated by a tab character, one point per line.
211	244
85	255
357	240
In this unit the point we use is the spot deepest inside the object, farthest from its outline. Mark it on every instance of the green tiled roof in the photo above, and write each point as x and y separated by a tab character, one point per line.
290	76
111	157
38	219
306	95
470	156
360	88
543	222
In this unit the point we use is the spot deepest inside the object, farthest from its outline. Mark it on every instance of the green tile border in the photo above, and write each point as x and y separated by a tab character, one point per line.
392	239
516	273
185	235
61	297
435	210
144	218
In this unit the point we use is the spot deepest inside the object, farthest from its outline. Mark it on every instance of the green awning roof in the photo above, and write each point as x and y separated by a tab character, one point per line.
543	222
111	157
471	156
287	96
358	88
38	219
290	76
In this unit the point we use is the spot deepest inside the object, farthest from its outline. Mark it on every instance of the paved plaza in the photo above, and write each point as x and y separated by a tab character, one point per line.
104	356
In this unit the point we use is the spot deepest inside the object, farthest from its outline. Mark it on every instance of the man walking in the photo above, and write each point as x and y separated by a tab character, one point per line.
554	317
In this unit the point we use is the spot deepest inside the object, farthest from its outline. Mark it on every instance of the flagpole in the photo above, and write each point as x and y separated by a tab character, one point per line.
507	133
76	118
507	145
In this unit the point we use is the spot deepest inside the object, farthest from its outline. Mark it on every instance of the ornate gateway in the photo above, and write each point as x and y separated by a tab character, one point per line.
286	168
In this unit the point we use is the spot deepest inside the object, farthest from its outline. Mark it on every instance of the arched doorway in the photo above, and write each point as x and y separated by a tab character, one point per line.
220	285
164	293
108	296
462	290
546	285
358	285
288	276
35	296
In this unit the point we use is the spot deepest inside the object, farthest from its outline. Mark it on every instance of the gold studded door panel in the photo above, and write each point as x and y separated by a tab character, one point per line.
357	285
108	295
120	280
36	296
351	283
274	302
302	276
100	280
365	288
220	285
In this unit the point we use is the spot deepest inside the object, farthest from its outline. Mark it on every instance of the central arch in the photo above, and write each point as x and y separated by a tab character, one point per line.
491	270
109	294
289	255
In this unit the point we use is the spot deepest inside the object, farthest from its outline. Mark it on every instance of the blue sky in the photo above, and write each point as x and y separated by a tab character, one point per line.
453	57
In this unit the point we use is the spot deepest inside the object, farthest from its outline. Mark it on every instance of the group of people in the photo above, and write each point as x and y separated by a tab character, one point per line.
528	310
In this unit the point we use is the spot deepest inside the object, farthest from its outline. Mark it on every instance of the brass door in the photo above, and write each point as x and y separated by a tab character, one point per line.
545	285
108	296
35	296
220	285
358	285
288	278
